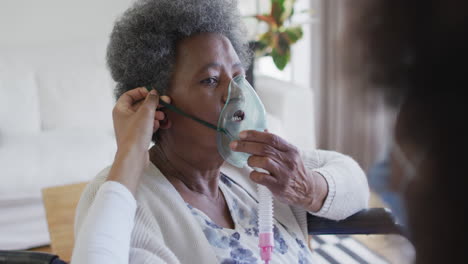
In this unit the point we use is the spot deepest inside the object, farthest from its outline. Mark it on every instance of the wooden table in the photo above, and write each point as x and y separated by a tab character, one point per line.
60	205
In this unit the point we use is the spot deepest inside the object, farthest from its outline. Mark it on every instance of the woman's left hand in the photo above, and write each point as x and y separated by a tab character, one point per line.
288	180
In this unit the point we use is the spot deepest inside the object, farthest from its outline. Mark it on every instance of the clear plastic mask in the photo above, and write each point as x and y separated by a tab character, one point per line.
243	111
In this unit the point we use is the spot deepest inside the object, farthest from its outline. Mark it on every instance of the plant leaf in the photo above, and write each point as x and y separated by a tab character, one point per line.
288	6
281	59
277	11
283	43
266	39
263	44
268	19
294	34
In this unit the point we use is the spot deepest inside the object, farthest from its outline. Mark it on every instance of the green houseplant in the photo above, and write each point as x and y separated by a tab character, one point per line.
280	35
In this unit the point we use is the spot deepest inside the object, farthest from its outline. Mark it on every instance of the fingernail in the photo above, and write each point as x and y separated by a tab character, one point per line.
153	92
243	135
166	99
233	145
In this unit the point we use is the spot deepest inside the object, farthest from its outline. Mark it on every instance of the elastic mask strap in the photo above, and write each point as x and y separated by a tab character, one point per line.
178	111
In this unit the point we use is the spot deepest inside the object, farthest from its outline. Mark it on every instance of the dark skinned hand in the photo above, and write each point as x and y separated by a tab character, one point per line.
288	179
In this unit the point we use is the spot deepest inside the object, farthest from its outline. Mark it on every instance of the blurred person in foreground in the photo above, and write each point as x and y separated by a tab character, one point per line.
415	54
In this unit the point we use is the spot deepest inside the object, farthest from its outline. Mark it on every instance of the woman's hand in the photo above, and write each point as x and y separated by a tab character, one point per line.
135	121
288	180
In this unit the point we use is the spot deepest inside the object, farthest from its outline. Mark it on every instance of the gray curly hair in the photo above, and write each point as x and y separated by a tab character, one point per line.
143	42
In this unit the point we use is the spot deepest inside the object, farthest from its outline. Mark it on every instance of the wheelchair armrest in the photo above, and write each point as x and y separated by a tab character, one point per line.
367	221
28	257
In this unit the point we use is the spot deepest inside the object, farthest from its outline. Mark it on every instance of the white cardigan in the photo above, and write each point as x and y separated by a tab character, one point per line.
164	231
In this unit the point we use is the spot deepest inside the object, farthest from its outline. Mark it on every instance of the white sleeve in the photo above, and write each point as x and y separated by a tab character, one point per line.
104	236
348	191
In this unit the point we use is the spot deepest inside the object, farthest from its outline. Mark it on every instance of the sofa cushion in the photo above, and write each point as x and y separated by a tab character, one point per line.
76	97
19	102
55	157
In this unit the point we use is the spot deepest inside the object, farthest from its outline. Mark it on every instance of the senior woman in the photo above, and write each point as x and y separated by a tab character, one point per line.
180	202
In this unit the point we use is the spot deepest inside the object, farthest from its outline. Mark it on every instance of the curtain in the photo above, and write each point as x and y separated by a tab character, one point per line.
349	120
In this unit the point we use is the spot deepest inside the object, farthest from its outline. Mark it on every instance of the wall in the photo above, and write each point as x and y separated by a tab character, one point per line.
55	22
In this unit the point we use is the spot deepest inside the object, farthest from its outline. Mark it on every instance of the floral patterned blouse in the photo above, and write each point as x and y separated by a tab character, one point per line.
240	245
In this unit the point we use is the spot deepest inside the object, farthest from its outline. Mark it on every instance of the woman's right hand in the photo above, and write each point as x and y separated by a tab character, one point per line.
135	121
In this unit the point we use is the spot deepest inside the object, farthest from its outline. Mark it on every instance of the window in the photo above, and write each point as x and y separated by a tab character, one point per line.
304	67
